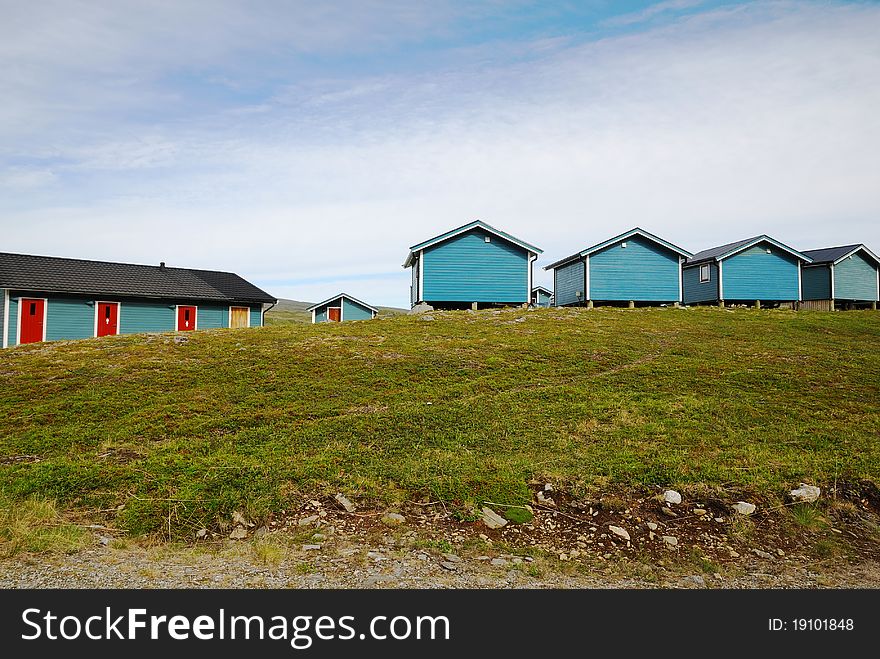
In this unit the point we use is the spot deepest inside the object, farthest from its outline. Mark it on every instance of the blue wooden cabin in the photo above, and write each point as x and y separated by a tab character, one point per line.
758	269
48	298
542	297
849	275
341	307
470	266
635	266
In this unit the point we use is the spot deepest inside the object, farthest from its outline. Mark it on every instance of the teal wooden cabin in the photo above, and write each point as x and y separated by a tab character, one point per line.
635	266
758	269
471	266
340	308
847	275
542	297
49	299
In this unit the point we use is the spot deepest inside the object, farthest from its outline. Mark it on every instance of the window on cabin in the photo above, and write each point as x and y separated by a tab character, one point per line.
705	272
488	239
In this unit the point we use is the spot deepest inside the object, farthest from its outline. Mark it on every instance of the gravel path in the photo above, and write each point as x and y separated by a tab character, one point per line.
342	563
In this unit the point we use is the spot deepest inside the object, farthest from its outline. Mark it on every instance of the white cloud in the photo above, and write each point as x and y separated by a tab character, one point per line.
730	123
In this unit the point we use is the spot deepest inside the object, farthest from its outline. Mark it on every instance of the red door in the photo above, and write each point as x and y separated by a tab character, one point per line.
108	318
32	315
334	314
186	319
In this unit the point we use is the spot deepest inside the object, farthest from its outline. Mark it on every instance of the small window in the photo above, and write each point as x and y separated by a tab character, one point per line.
704	273
488	239
623	245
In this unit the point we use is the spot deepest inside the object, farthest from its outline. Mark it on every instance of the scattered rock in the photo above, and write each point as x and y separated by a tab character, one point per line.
201	533
734	554
238	533
318	537
426	317
652	526
668	512
699	511
670	540
393	519
345	503
238	518
374	579
311	547
421	308
806	493
305	521
547	501
449	565
671	496
696	580
260	532
620	532
452	558
103	540
548	487
744	507
762	554
499	562
492	519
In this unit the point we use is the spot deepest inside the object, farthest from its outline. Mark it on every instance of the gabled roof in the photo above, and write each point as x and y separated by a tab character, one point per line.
619	238
724	251
62	275
464	229
541	288
339	296
836	254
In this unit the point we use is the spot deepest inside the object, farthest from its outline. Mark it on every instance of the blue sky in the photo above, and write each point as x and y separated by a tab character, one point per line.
307	145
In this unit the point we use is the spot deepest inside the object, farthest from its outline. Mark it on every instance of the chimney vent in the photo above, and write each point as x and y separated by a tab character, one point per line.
161	265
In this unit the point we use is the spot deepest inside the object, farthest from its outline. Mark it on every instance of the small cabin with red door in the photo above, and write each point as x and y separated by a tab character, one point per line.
45	298
341	307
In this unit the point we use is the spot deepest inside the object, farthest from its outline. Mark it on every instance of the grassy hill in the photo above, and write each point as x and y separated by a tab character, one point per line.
294	311
182	429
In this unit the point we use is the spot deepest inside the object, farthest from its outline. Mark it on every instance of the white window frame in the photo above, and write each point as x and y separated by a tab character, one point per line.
177	317
708	278
118	315
20	315
238	306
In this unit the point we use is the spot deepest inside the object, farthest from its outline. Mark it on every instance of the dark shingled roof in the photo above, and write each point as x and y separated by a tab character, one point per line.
829	254
709	254
60	275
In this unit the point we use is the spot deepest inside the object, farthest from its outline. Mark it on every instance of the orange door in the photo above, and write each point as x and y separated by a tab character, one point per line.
334	314
238	317
186	319
108	318
32	314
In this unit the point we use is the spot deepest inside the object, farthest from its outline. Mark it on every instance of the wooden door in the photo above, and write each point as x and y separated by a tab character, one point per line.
108	318
238	317
334	314
33	313
186	318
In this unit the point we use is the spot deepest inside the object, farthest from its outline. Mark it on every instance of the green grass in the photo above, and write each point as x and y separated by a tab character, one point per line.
464	409
35	525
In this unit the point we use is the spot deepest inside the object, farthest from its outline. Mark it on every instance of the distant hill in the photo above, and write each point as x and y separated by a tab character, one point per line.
294	311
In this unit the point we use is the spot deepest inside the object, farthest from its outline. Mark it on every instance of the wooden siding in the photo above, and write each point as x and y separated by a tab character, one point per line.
138	316
642	271
754	274
695	291
815	305
468	269
69	318
13	320
816	282
855	278
212	316
353	311
2	310
569	279
256	315
542	299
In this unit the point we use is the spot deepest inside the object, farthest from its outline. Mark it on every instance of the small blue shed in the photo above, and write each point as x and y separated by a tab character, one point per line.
542	297
635	266
473	265
849	274
341	307
758	269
